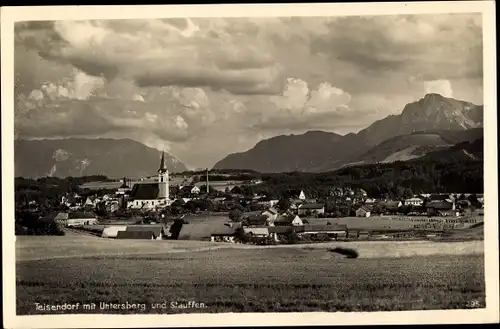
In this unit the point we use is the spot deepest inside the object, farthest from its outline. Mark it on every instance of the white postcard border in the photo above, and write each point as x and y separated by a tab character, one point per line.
9	15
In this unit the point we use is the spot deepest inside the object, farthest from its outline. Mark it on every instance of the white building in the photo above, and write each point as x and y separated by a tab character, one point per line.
414	201
363	212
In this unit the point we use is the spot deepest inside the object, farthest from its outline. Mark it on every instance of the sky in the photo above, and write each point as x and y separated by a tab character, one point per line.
202	88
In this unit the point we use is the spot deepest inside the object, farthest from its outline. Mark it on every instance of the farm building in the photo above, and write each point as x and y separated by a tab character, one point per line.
331	230
363	212
258	220
156	230
112	231
271	213
311	208
391	206
201	227
75	219
139	235
280	232
288	220
223	234
257	231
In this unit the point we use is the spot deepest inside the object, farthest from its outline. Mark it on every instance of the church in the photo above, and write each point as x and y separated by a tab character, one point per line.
151	195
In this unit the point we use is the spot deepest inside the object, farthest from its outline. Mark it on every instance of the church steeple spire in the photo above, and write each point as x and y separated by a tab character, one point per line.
163	167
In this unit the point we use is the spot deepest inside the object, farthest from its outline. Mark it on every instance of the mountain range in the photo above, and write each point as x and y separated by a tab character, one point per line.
430	124
114	158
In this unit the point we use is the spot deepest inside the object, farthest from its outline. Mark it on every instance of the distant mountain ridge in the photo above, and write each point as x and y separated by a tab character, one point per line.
417	144
446	118
114	158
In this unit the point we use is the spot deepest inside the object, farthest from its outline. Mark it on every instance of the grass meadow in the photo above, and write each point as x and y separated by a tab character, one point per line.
79	269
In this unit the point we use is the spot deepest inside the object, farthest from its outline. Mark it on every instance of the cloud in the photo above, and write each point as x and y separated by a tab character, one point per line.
162	55
442	87
299	107
194	86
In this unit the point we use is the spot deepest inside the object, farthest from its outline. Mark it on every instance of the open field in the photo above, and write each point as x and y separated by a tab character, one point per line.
80	245
234	278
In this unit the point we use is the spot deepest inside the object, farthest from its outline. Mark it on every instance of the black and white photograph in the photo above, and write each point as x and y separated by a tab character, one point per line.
175	160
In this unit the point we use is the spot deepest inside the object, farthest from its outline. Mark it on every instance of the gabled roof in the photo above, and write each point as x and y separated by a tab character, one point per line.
286	218
256	230
135	235
112	231
439	197
272	210
144	191
76	215
312	206
390	203
364	208
61	216
156	230
257	220
441	205
224	230
282	229
414	199
249	214
324	228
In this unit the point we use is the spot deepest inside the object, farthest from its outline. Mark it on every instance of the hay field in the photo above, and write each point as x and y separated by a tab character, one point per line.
242	278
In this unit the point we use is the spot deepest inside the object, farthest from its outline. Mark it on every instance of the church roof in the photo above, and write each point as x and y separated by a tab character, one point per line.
163	167
145	191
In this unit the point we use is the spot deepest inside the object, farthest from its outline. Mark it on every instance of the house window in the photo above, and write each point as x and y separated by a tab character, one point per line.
161	179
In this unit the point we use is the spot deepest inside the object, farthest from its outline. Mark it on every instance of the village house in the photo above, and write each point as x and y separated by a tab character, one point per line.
72	200
258	221
112	205
480	198
414	201
442	197
391	206
370	201
362	193
75	219
441	208
271	213
124	188
223	234
311	208
288	219
90	202
363	212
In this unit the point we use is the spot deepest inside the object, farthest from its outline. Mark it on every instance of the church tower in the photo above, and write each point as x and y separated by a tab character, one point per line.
163	184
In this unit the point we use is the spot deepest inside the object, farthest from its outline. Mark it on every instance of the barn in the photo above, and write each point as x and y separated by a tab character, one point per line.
112	231
136	235
156	230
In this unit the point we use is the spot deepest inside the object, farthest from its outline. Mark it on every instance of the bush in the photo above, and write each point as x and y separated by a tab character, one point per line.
292	238
348	252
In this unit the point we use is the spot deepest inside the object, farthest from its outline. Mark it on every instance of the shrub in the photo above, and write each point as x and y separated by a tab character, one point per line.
348	252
